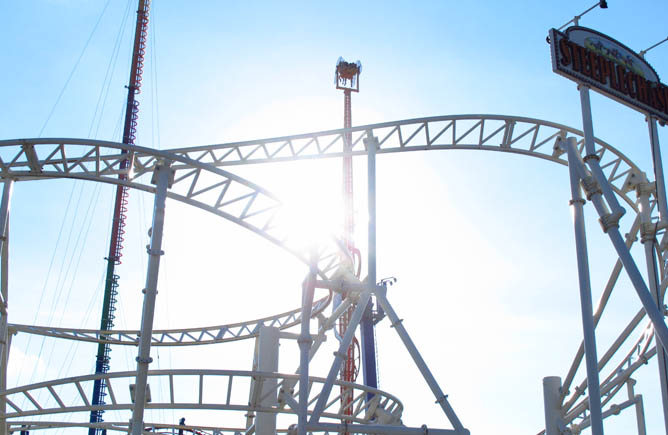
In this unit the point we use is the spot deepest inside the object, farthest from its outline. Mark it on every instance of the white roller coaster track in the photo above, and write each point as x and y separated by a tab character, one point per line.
208	396
201	182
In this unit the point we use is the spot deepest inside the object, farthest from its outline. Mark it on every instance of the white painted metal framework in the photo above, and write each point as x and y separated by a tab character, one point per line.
195	176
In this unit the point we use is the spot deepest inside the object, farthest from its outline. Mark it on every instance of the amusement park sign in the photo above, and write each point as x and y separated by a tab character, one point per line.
589	57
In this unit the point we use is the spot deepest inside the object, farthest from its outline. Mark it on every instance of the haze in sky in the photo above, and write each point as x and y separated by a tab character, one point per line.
481	243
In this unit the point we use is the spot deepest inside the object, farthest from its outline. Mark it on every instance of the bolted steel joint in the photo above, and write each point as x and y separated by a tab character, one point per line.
631	238
588	157
305	341
148	360
340	355
398	322
162	166
610	220
645	189
576	201
647	232
154	251
591	187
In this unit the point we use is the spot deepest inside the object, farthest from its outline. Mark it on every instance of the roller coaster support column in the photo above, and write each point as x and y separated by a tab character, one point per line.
598	186
4	226
658	168
163	177
305	341
588	331
552	401
339	356
267	361
366	328
648	239
371	143
4	294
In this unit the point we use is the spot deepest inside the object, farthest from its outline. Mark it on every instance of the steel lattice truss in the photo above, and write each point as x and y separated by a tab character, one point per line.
72	395
201	181
178	337
473	132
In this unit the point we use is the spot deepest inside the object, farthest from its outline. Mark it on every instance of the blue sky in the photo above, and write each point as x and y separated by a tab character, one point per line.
482	244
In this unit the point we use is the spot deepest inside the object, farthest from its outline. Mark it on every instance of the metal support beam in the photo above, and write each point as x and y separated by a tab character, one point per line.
630	266
591	158
441	398
305	341
267	356
4	291
648	239
609	221
371	143
366	328
658	168
552	400
380	429
339	356
588	332
640	411
162	177
602	302
4	208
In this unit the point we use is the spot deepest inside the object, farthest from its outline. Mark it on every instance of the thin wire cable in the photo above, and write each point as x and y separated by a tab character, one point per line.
55	299
79	245
48	274
76	65
111	67
88	312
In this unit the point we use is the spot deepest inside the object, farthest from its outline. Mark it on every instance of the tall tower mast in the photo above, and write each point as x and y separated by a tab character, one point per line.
347	79
120	207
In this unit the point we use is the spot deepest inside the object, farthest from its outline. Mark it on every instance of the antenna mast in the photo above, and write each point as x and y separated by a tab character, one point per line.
120	208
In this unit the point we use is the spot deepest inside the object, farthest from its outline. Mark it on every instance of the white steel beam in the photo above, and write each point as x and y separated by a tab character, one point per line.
648	239
340	355
267	355
305	342
600	306
177	337
552	400
4	292
441	398
611	228
588	331
658	168
163	176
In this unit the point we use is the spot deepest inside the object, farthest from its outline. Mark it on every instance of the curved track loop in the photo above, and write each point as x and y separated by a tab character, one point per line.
511	134
195	183
217	390
199	181
178	337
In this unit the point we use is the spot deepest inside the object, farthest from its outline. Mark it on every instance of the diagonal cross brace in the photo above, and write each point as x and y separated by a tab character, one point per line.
441	398
627	260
